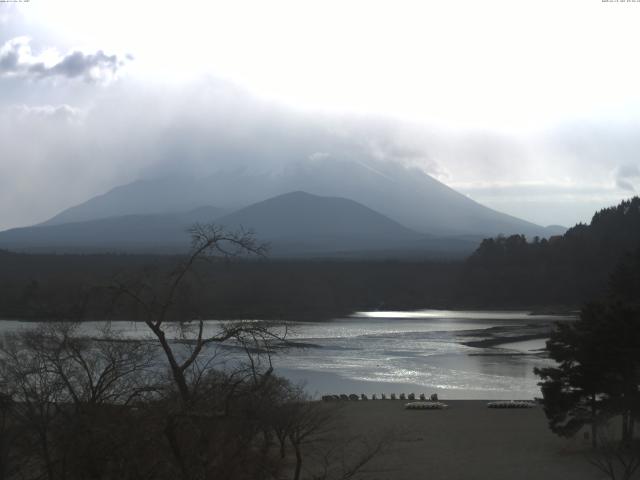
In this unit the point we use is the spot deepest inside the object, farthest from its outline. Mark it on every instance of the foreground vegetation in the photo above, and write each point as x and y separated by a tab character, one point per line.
40	287
597	377
106	407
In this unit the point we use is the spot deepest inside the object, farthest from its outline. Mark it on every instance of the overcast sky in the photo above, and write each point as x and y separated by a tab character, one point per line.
529	107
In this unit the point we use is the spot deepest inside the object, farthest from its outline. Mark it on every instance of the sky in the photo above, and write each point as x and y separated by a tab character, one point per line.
531	108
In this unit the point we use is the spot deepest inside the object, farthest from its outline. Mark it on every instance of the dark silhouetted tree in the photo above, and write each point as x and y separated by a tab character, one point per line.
598	372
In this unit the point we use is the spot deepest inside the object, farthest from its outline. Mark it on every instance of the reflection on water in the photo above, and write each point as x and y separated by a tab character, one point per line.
376	352
454	314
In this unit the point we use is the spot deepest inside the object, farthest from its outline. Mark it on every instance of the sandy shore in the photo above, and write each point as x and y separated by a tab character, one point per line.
467	441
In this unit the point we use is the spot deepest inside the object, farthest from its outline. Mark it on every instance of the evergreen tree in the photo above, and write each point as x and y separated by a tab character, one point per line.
598	372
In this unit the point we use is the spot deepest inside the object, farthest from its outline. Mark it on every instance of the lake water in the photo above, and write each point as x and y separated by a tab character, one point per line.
420	352
395	352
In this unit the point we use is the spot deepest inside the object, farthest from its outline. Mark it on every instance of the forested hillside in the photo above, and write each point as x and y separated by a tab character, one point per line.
60	286
567	269
505	272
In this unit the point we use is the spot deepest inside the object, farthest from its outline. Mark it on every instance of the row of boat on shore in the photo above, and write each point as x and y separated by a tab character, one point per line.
354	398
422	403
429	405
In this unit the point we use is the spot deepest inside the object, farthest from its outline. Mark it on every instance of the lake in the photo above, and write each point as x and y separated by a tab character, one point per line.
414	351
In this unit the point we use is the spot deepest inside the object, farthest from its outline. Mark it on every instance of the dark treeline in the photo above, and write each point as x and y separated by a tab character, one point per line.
74	286
597	373
505	272
594	381
563	270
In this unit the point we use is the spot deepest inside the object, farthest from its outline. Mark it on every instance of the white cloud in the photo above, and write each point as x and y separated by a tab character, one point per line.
627	177
499	111
134	130
56	113
319	156
18	60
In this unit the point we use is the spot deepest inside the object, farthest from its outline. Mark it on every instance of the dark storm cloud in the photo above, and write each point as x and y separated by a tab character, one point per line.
17	59
10	57
77	64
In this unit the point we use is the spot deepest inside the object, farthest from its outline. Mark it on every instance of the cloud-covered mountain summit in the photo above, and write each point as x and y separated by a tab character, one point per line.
406	195
295	224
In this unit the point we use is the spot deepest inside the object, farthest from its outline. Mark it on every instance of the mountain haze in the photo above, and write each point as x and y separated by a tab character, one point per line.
159	196
407	195
294	224
132	233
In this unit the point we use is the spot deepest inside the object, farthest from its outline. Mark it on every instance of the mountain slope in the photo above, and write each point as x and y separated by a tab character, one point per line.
408	196
299	222
565	270
295	224
143	197
134	233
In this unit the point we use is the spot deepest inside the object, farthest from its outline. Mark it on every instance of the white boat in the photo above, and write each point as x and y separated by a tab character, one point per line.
425	405
511	404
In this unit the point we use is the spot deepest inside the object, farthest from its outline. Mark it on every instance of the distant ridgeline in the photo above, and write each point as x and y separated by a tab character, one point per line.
563	270
504	272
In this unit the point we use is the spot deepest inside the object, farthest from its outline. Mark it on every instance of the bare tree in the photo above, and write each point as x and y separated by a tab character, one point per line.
617	460
350	456
37	396
207	241
58	380
308	421
94	370
103	406
324	449
217	419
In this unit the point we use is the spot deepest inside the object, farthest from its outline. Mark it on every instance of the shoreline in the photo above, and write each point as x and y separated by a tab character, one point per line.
497	341
456	372
328	316
317	384
466	440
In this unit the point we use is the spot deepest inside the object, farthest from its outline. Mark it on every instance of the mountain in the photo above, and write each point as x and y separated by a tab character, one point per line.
161	196
295	224
302	215
133	233
407	195
301	223
553	230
